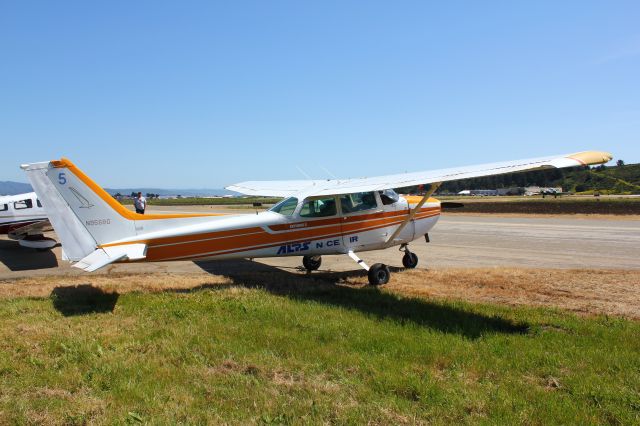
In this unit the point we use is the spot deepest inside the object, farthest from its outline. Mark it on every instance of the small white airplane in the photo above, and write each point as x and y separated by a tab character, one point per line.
317	217
23	218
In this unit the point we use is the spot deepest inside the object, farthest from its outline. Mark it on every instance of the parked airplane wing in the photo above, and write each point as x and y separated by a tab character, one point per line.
276	188
32	228
346	186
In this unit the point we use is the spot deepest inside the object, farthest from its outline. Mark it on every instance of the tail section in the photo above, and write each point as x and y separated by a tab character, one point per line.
86	218
103	217
83	215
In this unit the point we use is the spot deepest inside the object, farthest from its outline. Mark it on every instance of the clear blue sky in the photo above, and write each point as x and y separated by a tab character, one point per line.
197	94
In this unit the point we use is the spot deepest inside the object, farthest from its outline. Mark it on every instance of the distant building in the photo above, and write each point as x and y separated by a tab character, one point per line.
537	190
517	190
479	192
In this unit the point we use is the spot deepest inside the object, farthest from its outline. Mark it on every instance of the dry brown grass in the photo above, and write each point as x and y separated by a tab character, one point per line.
120	283
610	292
614	292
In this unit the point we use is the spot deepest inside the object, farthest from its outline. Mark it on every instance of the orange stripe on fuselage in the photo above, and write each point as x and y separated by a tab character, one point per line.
242	239
113	203
201	255
288	228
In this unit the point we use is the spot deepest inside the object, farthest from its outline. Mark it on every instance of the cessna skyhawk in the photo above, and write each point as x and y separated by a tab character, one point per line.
317	217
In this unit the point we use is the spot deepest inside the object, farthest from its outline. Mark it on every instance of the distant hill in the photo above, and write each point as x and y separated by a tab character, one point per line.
615	179
13	188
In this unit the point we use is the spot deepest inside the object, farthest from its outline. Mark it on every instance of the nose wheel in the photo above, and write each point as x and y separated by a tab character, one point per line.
311	263
409	260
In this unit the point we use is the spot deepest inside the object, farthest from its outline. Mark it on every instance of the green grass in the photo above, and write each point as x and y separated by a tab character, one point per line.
319	355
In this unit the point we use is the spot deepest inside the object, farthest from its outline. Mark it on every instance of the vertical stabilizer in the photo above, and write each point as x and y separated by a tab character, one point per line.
75	238
82	214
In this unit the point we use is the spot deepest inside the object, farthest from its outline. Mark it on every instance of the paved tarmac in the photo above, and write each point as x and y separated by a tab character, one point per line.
456	241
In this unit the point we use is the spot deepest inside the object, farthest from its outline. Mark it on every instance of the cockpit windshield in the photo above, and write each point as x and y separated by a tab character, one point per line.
285	207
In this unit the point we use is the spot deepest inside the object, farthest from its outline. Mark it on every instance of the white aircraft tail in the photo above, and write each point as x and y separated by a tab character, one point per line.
83	215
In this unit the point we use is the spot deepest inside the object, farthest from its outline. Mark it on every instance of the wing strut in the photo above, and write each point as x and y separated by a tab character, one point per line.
434	187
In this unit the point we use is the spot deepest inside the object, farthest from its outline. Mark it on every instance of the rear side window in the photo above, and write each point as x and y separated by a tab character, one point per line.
23	204
319	208
358	202
4	207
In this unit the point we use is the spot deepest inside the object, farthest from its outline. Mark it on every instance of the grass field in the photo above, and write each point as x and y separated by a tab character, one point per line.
243	353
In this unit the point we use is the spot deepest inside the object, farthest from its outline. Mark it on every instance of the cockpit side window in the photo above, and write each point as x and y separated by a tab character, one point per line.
285	207
38	203
4	207
389	196
322	207
23	204
358	201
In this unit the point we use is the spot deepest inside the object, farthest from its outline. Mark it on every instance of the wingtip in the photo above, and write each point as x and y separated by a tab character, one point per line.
591	157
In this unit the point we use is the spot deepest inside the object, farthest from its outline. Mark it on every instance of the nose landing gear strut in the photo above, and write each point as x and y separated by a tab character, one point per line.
409	260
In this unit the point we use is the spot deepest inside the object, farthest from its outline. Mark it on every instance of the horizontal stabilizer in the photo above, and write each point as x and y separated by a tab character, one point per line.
105	256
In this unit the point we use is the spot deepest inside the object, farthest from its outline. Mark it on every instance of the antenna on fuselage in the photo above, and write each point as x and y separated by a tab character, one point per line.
303	172
328	172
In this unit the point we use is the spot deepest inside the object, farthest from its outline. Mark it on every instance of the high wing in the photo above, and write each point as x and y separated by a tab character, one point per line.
276	188
347	186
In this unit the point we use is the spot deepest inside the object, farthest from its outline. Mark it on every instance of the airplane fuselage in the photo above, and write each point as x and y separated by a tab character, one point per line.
20	210
270	234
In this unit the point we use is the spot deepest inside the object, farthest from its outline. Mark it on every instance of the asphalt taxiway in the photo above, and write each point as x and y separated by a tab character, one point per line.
456	241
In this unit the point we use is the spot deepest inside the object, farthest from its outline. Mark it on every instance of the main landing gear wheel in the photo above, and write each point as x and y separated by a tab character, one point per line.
311	263
410	260
379	274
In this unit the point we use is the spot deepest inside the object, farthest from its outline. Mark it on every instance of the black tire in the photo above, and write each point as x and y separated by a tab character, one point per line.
410	260
379	274
312	263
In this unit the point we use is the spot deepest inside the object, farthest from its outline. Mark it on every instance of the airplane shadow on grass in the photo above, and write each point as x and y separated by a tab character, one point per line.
18	258
324	287
83	299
